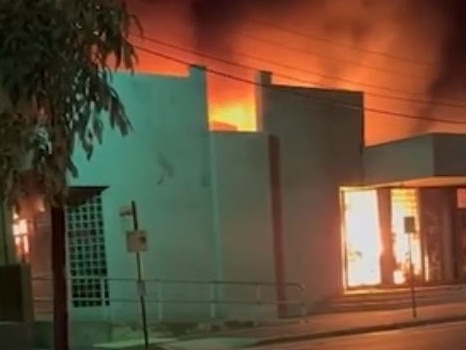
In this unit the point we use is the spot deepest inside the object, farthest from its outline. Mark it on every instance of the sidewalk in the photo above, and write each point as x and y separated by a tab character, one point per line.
327	325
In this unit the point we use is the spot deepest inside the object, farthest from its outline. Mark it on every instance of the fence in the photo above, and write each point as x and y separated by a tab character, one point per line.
97	297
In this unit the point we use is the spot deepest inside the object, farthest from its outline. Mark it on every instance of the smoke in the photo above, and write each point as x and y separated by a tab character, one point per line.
399	52
452	72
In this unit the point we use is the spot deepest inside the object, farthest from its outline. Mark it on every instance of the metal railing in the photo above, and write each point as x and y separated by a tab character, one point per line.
159	294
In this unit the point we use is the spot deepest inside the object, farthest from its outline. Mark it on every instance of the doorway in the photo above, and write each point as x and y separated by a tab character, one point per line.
362	238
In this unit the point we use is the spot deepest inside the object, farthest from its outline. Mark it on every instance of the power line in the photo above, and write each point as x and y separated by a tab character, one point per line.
307	71
297	93
327	57
229	62
293	31
337	43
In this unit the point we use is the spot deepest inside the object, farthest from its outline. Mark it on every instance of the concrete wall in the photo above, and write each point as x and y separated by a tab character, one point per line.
321	142
163	166
399	160
242	198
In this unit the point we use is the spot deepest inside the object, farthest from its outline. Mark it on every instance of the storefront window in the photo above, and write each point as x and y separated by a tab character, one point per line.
405	204
437	230
377	244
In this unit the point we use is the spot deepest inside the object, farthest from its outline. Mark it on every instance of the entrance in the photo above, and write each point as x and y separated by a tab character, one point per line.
363	237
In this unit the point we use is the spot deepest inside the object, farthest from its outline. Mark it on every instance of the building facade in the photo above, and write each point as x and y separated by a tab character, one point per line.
423	178
237	223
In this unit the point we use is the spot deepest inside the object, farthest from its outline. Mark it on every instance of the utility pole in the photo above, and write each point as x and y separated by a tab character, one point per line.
136	241
140	280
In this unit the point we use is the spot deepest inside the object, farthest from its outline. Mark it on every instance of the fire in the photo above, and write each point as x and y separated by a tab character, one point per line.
404	203
20	234
363	242
363	245
238	116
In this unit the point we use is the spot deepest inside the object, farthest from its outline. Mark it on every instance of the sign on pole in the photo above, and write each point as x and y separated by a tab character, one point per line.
136	241
125	211
410	224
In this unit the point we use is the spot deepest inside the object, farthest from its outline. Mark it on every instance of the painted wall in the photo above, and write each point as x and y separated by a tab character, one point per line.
420	157
243	218
204	199
321	142
163	166
399	160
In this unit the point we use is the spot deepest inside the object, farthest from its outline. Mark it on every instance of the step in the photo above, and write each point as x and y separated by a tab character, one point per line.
392	300
402	293
134	343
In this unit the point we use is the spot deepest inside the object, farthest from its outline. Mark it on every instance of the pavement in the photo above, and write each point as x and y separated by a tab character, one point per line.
324	327
450	336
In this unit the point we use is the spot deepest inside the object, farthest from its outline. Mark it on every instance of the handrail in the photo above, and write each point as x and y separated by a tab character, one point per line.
177	281
211	298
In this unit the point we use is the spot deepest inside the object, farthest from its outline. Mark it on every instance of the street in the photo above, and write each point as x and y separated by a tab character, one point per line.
447	336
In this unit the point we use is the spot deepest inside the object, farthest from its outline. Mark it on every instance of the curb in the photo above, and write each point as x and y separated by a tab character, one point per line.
360	330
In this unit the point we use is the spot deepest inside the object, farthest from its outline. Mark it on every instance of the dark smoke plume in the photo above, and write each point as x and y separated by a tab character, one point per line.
215	20
452	72
428	35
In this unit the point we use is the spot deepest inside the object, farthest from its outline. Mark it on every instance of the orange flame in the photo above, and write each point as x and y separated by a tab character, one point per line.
239	115
362	236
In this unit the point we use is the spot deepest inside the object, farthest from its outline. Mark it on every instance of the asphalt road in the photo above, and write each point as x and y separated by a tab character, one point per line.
447	336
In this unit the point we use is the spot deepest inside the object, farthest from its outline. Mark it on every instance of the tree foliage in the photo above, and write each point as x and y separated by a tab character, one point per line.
56	62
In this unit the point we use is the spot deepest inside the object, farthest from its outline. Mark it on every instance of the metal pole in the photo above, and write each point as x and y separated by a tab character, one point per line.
140	281
412	276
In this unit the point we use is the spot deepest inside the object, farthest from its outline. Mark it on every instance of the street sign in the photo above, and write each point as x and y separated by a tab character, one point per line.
136	241
410	224
126	211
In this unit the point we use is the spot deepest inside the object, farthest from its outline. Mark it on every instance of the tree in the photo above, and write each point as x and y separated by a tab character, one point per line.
56	63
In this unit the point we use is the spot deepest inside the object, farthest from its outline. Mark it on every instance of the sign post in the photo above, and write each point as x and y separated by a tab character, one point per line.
136	242
410	229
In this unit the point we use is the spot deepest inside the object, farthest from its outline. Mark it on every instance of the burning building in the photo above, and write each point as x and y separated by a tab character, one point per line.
238	223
